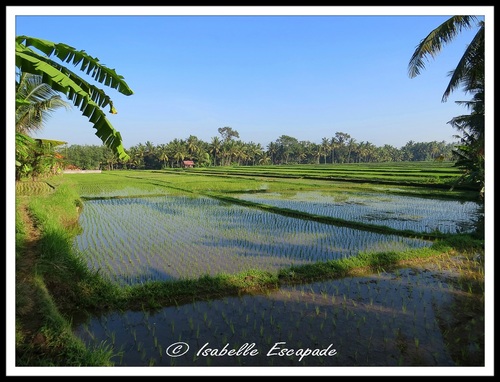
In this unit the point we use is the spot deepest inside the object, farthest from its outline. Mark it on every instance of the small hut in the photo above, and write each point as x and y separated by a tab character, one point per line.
187	164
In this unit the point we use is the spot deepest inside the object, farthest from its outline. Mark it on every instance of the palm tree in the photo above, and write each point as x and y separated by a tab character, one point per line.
215	148
469	74
350	144
272	151
255	151
264	159
341	138
469	65
87	97
163	154
192	145
36	102
110	160
228	151
333	145
137	154
325	148
318	151
179	150
470	151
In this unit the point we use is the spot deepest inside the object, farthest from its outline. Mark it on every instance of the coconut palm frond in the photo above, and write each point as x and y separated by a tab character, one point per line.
469	73
35	102
432	44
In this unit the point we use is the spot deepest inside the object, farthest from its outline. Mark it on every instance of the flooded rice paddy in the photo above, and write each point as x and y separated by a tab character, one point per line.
394	211
384	319
134	240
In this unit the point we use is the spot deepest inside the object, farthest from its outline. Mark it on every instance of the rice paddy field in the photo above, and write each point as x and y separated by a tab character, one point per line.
362	321
140	227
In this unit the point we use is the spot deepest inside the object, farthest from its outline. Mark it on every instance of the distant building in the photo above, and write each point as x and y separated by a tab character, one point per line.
187	164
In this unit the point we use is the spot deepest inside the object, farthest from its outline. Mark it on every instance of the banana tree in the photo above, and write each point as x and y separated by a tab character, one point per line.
23	152
89	98
36	157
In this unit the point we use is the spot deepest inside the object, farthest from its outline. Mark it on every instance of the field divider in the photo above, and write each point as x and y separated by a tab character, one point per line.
333	177
253	175
328	219
314	217
307	216
160	294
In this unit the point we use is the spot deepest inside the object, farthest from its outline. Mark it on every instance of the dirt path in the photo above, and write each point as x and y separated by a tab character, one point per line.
28	319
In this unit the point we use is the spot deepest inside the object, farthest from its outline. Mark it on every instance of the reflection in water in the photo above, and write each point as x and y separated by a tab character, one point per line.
134	240
386	319
395	211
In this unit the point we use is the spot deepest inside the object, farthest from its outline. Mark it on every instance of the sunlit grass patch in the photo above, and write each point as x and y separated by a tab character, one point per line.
165	258
29	188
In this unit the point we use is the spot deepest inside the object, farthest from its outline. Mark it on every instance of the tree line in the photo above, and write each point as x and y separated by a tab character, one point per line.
40	81
227	150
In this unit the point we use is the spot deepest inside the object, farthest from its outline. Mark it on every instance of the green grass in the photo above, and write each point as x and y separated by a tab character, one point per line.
53	283
50	279
434	174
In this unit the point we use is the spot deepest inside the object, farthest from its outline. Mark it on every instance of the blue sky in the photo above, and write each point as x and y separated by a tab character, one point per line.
307	72
303	72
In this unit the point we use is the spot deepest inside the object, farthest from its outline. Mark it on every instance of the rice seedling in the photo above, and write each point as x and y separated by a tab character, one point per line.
395	211
235	234
186	240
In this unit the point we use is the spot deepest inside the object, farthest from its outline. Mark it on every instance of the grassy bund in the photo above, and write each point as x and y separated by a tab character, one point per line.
235	255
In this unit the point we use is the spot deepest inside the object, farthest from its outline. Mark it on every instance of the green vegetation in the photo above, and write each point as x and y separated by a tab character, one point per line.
46	275
431	179
51	277
420	174
228	153
54	285
40	83
469	75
